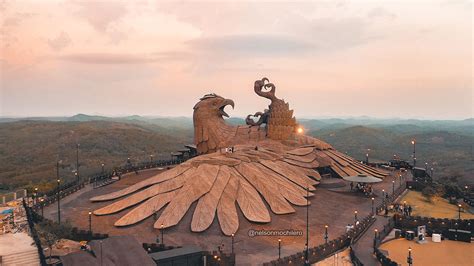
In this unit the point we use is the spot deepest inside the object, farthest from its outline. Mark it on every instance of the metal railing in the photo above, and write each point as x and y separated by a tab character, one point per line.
326	250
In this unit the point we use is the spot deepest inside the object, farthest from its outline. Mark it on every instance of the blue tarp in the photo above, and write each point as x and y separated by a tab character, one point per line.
7	211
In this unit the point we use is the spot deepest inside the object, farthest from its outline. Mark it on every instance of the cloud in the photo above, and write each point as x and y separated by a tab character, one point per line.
380	12
309	37
100	14
252	44
62	41
122	58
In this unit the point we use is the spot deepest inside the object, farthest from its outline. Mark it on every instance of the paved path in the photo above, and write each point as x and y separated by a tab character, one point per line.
364	247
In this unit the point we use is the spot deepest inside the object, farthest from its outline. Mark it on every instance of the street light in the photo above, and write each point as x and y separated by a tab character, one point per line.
35	194
383	194
59	204
42	204
90	222
426	167
77	161
162	233
355	217
306	261
232	243
409	259
279	248
102	167
413	142
151	158
367	157
373	212
459	211
375	240
393	187
326	234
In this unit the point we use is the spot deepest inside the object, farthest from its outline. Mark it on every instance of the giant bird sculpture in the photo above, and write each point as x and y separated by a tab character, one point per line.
269	160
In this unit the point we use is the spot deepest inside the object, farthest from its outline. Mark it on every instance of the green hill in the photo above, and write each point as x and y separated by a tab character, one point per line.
450	154
29	149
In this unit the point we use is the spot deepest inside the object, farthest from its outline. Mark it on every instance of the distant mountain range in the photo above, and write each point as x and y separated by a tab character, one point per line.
30	147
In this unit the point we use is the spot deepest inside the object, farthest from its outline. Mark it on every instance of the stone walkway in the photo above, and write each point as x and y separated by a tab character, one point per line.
364	247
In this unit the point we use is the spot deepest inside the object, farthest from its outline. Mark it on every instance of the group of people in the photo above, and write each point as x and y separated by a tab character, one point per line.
364	188
404	209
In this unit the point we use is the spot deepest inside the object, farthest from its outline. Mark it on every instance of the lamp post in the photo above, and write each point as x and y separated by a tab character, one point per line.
393	187
90	222
355	217
306	254
279	248
77	161
367	157
373	211
375	239
102	167
42	205
409	258
326	234
426	167
162	233
59	204
459	211
151	158
35	195
232	247
383	195
413	142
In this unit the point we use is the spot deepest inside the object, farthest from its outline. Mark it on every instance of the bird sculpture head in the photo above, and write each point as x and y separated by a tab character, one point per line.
208	118
211	106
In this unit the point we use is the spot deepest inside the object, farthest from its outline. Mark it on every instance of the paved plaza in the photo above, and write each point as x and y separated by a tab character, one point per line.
327	207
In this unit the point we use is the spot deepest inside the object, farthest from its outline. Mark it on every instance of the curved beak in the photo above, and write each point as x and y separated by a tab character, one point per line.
224	104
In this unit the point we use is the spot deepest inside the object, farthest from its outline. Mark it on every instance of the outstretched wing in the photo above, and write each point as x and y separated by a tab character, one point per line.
222	182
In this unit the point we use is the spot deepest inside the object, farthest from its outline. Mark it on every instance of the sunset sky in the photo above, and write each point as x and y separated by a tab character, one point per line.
409	59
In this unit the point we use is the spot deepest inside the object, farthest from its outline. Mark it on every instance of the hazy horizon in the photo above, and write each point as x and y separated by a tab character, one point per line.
361	117
384	59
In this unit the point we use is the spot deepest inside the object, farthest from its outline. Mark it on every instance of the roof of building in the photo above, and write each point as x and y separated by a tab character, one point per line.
115	250
171	253
190	146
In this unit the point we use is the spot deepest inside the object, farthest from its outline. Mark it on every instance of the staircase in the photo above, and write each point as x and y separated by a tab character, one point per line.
25	258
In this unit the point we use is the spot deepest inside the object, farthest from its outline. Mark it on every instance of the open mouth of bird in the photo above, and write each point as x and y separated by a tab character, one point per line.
224	104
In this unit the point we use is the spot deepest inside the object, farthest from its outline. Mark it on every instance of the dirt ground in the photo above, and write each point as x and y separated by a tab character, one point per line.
438	208
444	253
327	207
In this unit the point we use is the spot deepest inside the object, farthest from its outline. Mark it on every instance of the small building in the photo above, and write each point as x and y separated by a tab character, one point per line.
192	150
177	155
189	255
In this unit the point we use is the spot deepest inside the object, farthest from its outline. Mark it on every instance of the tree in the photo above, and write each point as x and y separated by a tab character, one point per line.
47	239
429	192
